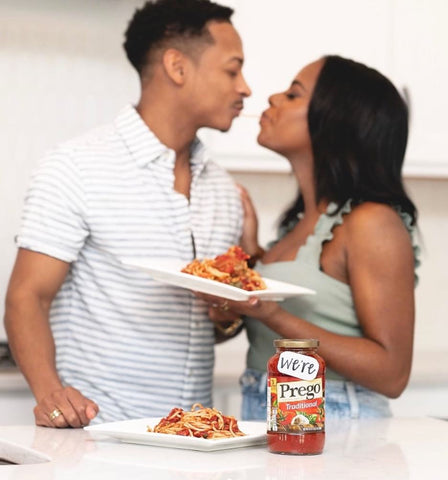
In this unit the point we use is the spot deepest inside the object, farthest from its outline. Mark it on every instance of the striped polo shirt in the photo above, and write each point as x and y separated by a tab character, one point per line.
135	346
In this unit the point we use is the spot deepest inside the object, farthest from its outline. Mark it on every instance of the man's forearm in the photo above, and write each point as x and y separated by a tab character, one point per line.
32	344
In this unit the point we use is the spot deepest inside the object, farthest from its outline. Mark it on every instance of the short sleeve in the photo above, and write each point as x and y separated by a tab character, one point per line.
54	214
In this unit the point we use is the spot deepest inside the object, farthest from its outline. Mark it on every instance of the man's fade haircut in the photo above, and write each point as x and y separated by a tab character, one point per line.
170	23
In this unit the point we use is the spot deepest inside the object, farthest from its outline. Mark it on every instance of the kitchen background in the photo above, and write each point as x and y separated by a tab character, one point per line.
63	71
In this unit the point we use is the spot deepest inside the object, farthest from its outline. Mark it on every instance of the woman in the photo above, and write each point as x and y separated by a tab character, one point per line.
349	236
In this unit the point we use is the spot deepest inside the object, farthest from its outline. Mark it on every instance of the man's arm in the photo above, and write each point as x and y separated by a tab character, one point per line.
35	281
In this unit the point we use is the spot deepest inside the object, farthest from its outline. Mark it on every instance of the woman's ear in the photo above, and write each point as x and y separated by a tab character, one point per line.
175	65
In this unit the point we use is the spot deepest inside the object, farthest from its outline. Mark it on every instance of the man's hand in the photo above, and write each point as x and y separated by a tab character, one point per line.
35	281
66	407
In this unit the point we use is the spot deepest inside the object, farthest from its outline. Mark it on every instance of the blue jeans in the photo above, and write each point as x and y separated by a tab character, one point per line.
343	399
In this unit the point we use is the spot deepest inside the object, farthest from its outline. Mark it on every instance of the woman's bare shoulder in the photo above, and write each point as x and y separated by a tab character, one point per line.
372	215
377	226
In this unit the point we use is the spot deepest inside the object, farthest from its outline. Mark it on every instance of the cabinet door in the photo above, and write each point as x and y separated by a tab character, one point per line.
279	38
16	404
421	64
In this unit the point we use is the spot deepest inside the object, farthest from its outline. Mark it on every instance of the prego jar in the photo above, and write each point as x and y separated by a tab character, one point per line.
296	398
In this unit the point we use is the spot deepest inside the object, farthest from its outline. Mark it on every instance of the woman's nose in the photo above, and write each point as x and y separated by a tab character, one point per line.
273	99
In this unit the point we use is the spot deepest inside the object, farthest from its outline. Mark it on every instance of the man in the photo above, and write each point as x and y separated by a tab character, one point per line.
94	338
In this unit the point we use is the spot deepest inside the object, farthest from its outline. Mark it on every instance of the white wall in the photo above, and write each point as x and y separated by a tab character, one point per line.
62	71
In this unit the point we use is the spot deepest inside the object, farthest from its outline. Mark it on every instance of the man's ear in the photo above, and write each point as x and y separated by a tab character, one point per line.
175	65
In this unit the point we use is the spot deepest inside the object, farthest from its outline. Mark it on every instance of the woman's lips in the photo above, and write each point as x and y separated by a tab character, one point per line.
264	118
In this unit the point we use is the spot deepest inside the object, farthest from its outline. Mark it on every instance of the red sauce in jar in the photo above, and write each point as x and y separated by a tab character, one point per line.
296	398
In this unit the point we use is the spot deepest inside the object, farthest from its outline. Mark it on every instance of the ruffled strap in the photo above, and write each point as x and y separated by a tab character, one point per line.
323	232
407	220
310	253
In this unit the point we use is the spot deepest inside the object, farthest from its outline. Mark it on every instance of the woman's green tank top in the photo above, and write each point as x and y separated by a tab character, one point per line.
332	306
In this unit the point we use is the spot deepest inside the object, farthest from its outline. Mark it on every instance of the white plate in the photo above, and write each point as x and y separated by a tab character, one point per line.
169	271
134	431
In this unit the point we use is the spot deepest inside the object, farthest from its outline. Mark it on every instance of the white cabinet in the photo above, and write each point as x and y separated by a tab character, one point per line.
421	64
16	408
16	400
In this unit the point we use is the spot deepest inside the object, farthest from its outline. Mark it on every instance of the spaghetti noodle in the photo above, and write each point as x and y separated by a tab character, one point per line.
200	422
230	268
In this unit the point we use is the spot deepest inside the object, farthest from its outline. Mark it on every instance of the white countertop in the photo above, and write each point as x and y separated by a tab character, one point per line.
397	448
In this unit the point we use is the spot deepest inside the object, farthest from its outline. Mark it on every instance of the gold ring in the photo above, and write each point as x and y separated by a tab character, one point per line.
55	414
224	306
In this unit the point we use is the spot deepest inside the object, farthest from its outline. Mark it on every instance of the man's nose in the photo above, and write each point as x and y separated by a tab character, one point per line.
244	88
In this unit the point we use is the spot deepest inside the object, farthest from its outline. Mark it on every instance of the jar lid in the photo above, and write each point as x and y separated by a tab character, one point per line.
296	343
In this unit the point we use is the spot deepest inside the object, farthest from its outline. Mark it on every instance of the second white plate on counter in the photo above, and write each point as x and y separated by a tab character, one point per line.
135	431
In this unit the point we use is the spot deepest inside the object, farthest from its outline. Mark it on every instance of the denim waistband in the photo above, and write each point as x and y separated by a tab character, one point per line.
254	381
342	398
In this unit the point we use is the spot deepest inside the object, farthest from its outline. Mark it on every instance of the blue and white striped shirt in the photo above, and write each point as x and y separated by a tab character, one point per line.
135	346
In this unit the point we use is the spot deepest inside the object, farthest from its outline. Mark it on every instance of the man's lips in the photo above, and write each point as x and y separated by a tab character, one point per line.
237	109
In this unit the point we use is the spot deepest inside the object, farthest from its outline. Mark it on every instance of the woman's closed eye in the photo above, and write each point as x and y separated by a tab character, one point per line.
292	95
295	90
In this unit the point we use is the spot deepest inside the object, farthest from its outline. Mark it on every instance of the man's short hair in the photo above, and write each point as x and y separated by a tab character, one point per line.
162	24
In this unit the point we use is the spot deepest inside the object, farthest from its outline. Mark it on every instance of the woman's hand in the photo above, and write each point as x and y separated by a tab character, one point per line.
249	237
223	311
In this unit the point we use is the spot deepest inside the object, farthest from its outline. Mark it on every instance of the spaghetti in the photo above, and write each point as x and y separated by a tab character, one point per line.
230	268
200	422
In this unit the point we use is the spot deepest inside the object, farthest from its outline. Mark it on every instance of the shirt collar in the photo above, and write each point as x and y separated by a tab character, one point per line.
145	147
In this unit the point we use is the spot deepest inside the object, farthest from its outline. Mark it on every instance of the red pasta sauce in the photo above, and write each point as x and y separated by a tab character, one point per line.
296	398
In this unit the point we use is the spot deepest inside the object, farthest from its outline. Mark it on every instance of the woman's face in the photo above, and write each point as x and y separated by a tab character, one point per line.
284	125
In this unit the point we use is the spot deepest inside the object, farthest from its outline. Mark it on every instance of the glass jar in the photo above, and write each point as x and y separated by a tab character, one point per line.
296	398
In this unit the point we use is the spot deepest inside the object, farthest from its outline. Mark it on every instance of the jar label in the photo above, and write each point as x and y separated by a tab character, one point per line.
295	406
298	365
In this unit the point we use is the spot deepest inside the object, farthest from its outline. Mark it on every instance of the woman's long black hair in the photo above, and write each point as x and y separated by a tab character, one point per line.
358	125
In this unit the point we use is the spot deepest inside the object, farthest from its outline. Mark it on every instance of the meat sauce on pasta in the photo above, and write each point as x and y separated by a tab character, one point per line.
230	268
199	422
